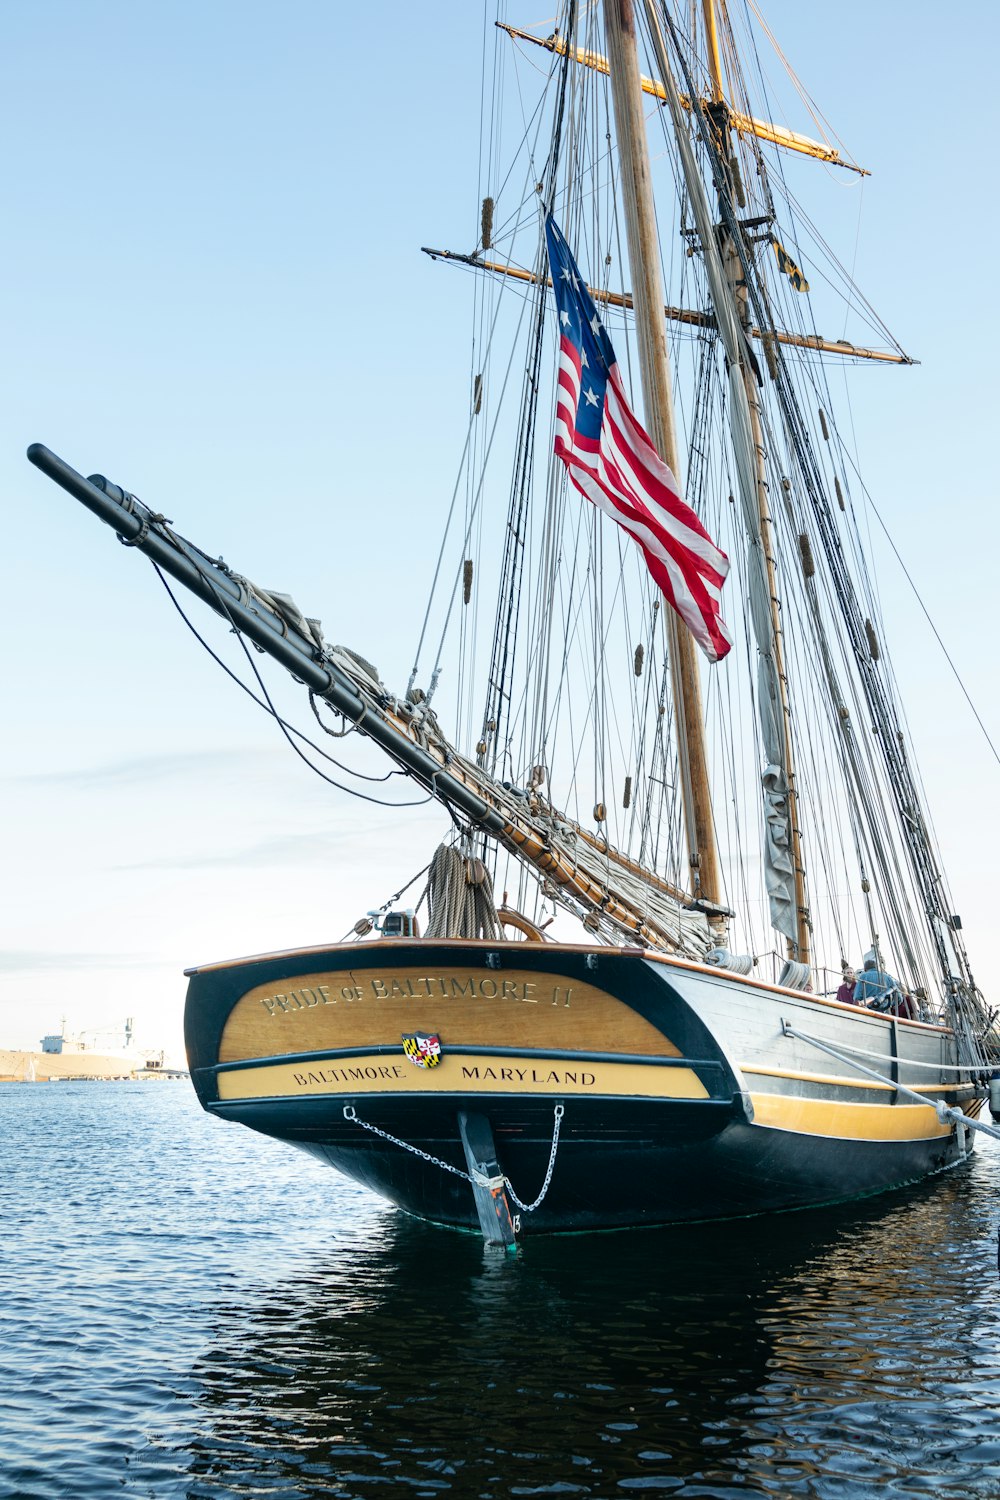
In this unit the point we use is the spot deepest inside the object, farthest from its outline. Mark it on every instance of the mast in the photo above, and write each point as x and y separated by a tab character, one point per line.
799	948
648	295
714	61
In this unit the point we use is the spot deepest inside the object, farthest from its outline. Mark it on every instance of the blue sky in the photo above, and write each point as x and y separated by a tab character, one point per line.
214	294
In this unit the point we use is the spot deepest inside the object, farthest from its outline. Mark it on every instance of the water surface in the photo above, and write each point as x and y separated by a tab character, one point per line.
187	1309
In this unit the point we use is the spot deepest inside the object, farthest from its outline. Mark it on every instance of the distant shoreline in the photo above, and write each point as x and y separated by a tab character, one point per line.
17	1066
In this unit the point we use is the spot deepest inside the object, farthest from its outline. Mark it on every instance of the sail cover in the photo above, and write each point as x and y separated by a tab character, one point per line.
779	870
612	462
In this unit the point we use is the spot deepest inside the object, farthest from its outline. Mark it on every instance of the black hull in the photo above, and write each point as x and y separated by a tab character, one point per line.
617	1166
684	1099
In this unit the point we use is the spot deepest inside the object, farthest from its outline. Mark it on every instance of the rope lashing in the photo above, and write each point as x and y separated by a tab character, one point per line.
140	536
946	1113
147	518
337	734
808	561
873	650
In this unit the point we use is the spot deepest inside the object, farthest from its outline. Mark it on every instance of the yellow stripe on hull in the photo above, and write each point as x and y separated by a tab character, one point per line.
852	1122
460	1073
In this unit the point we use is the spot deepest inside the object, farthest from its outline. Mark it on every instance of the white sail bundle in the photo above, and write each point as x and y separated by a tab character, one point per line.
779	871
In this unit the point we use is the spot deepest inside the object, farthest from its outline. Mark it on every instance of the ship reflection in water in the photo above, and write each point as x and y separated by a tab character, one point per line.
819	1354
188	1309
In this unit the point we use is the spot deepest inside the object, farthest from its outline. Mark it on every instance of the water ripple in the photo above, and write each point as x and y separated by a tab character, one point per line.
190	1310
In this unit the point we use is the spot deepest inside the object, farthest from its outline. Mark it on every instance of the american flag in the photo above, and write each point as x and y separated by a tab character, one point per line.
612	462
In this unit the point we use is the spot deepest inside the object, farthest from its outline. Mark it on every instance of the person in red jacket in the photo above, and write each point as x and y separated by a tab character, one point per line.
846	992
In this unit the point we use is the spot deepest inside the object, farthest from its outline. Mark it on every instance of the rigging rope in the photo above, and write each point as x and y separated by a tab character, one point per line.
287	729
947	1114
962	993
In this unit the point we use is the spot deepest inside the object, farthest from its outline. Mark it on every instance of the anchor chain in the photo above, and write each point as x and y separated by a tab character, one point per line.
477	1179
529	1208
435	1161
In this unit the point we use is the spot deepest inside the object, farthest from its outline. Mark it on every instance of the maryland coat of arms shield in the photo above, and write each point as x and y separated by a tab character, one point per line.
423	1048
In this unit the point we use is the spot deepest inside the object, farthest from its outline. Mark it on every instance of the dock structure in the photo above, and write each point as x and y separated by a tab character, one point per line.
65	1067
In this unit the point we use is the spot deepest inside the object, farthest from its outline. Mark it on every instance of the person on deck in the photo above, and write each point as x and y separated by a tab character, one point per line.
875	987
846	992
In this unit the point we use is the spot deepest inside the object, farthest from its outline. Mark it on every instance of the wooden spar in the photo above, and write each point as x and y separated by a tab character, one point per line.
800	948
686	315
532	845
712	38
433	764
647	290
775	135
624	862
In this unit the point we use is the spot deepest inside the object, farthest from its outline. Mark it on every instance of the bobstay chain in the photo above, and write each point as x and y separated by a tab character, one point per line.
476	1179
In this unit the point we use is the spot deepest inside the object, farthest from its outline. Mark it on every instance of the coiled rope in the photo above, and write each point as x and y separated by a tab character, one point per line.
460	897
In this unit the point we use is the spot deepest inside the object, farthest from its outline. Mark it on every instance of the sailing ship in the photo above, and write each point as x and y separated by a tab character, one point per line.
688	1047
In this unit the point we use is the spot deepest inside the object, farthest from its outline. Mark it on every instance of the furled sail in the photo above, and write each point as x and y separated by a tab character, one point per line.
779	870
